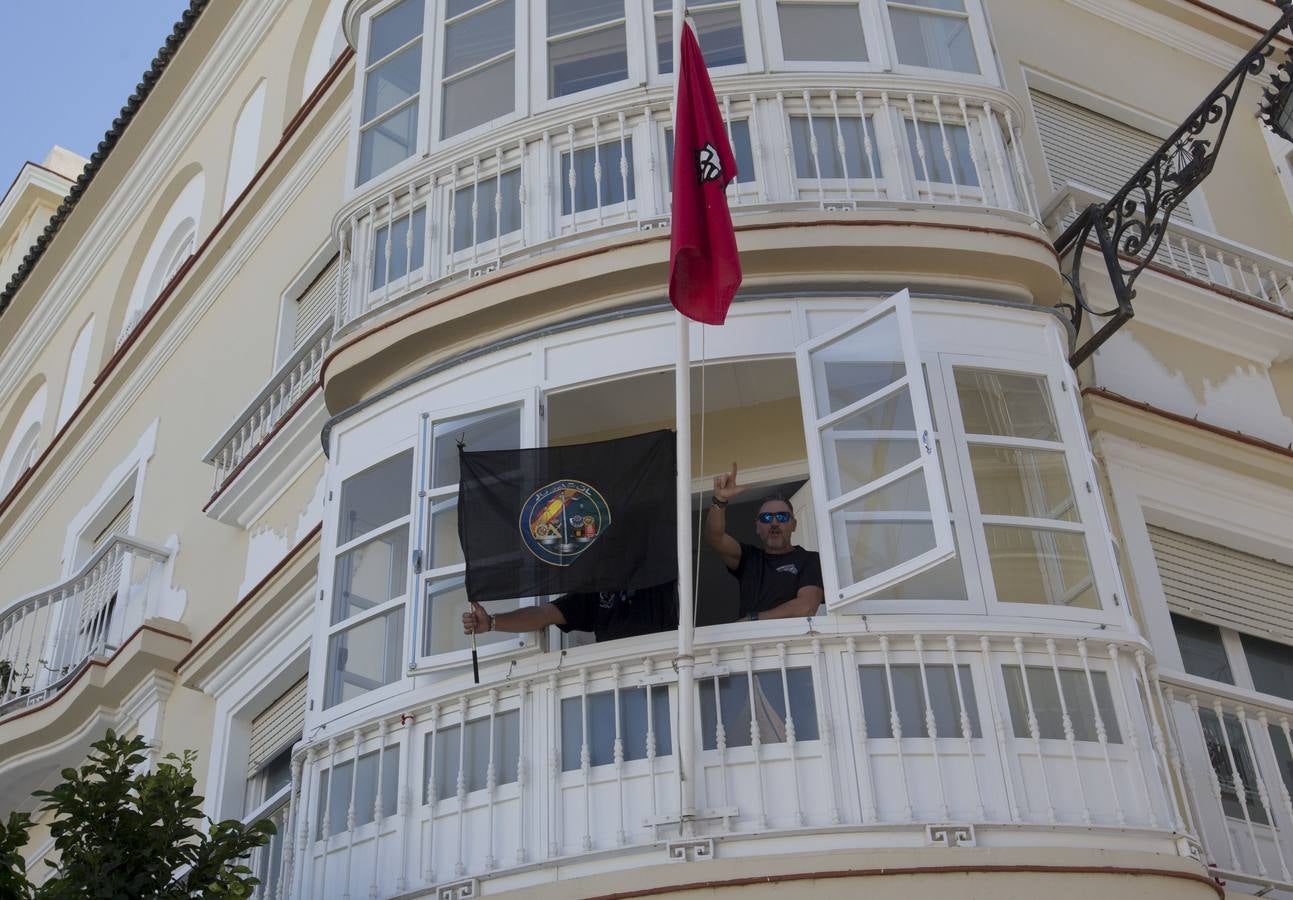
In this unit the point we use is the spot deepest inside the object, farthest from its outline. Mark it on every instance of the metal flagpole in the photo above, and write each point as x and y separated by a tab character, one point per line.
686	619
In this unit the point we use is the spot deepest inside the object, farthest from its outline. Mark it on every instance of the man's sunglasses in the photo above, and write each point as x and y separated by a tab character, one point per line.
766	518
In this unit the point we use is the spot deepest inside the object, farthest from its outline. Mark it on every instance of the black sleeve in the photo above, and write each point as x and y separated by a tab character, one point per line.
741	563
810	573
577	610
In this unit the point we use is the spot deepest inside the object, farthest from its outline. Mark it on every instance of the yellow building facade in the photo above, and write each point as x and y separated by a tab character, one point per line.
326	241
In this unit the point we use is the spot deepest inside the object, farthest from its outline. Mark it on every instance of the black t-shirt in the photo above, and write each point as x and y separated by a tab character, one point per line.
611	615
770	579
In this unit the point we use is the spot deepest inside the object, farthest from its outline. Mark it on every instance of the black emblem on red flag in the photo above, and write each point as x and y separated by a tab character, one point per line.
709	167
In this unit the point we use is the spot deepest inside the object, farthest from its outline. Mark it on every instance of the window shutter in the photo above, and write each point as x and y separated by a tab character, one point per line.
279	725
120	524
1216	584
1089	149
315	304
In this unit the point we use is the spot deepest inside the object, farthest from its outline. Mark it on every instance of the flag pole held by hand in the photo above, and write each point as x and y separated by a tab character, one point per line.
475	659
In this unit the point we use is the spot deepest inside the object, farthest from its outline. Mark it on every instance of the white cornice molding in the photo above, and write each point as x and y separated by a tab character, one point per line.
331	135
1165	29
137	191
32	177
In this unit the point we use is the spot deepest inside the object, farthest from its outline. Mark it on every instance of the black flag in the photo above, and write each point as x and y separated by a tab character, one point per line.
555	520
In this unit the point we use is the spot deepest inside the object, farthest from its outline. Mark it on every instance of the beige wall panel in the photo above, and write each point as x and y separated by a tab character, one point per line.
1154	79
190	717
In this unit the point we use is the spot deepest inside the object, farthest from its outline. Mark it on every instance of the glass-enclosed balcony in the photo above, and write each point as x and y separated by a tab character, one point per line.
974	678
566	138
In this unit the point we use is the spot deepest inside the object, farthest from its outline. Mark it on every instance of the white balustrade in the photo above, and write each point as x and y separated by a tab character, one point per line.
521	193
46	637
988	732
275	403
1198	255
1234	752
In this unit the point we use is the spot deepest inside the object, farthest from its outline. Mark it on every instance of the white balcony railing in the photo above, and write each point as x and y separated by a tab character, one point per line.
864	143
1197	254
1236	779
842	730
46	638
267	862
275	403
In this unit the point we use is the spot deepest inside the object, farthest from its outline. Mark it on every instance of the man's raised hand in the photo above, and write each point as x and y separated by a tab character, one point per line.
725	486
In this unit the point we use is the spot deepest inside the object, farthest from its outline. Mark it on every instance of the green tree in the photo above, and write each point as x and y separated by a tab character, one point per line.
121	830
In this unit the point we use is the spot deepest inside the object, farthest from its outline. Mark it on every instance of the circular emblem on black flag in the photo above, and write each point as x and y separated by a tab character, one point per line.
563	519
709	167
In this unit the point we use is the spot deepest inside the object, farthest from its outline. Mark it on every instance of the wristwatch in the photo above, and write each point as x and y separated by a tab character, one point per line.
717	504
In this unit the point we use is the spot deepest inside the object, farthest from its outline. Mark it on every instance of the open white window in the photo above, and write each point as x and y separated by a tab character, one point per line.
877	479
441	571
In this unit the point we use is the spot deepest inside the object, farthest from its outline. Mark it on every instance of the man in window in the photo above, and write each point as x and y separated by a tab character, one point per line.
778	580
609	615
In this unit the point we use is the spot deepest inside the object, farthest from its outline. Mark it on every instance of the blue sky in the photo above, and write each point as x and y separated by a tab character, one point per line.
67	67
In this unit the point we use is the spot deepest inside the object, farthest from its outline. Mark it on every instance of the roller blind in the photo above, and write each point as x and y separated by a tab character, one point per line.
1090	149
119	524
1216	584
316	303
279	725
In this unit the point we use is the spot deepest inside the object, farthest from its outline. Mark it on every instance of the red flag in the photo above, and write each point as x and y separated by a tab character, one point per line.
704	268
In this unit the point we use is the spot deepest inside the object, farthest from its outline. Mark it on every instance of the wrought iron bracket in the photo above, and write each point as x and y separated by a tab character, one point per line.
1129	228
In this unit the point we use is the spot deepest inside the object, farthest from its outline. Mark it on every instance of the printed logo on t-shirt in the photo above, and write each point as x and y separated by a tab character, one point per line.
790	568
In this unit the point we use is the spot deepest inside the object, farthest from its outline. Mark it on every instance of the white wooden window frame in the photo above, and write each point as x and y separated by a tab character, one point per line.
422	100
979	35
635	37
927	462
880	128
437	25
426	498
411	277
1091	525
621	211
749	34
330	552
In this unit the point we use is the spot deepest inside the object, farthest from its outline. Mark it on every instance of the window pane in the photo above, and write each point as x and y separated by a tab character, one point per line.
398	265
393	82
498	429
570	15
961	171
742	149
1031	483
601	726
934	41
1271	665
371	574
586	190
1221	765
390	141
1283	755
506	748
446	601
769	708
474	99
476	38
375	496
1202	652
855	162
364	657
909	694
945	581
394	28
852	462
1005	403
487	224
821	31
445	548
587	61
858	365
722	43
1046	703
334	798
1034	565
865	548
366	784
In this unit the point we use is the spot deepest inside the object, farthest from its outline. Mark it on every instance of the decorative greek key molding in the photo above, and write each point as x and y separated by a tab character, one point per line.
691	850
950	836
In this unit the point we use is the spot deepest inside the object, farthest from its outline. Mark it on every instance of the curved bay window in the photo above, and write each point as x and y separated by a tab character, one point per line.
433	73
929	479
